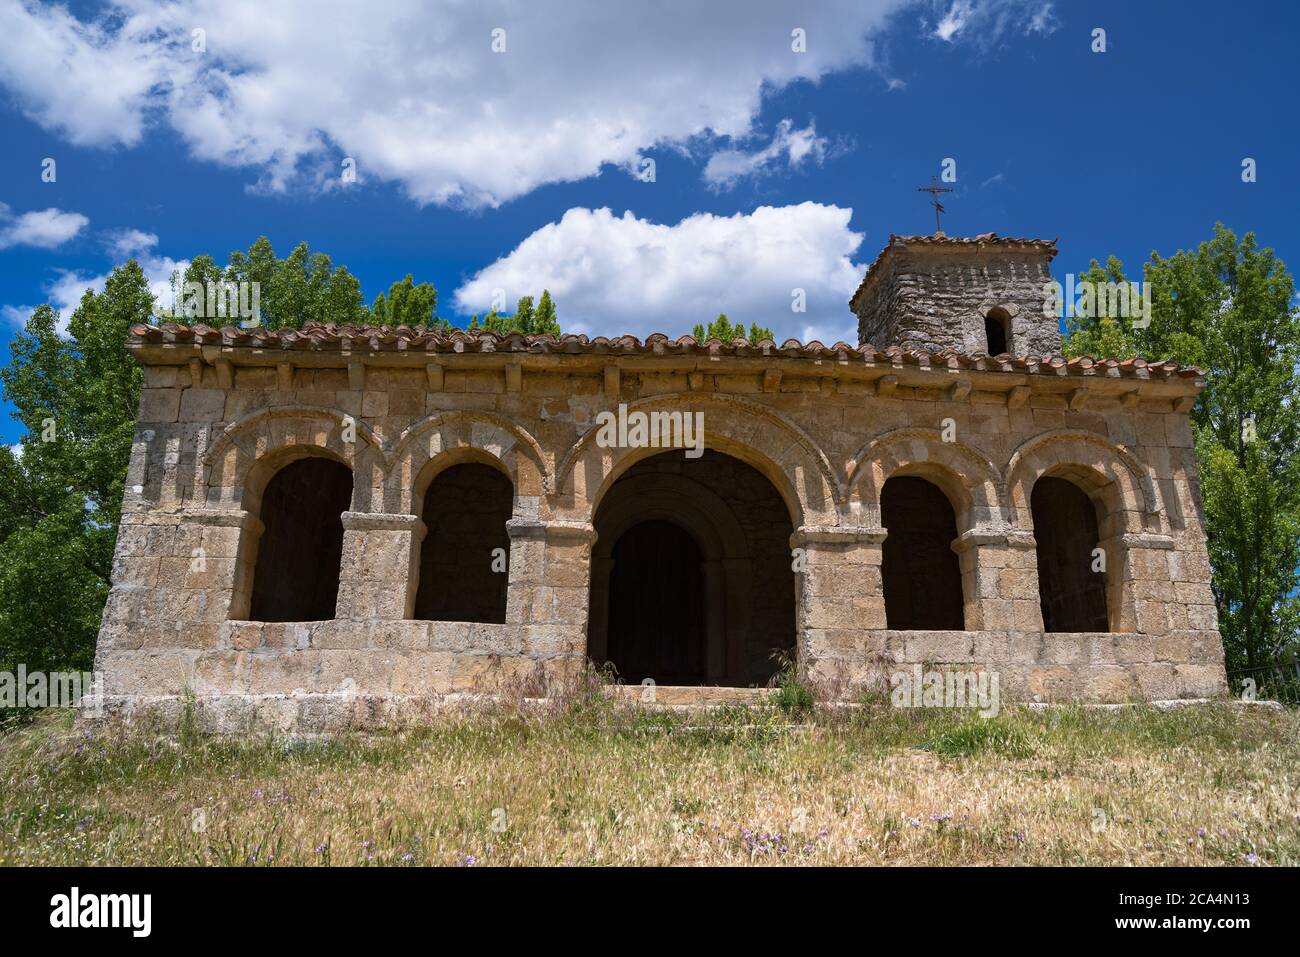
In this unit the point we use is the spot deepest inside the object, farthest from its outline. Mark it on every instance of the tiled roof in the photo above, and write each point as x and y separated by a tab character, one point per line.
323	337
962	242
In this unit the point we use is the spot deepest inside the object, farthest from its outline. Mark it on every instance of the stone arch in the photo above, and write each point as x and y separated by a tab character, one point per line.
971	482
1128	509
1107	472
443	439
755	434
247	453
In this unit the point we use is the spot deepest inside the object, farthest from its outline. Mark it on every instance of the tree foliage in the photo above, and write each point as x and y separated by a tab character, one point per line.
723	329
527	318
1229	307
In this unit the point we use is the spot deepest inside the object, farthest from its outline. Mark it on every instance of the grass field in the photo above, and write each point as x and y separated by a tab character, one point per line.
599	782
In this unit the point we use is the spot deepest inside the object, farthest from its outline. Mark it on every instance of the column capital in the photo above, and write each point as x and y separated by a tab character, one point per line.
384	522
837	535
581	532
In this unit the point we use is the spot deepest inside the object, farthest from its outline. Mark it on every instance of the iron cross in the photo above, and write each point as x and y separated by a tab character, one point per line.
934	189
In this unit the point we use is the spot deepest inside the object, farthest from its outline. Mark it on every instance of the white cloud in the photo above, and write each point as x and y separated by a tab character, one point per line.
412	90
984	23
44	229
64	292
612	275
1043	21
128	243
955	20
793	146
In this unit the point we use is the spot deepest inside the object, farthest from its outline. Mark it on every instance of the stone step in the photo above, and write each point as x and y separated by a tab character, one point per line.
690	696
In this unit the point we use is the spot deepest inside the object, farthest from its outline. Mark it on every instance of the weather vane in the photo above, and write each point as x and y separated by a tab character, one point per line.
934	189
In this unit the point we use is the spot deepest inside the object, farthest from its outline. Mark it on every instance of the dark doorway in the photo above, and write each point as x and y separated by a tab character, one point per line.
922	577
656	606
298	555
463	576
995	332
691	578
1073	596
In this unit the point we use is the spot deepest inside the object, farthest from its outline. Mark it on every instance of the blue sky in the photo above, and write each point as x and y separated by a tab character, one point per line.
772	169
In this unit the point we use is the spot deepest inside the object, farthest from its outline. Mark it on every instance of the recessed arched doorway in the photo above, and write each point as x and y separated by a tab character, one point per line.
691	578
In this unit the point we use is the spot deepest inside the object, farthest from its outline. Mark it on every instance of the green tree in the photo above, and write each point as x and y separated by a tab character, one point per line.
291	291
76	395
545	318
1228	307
407	305
527	319
722	329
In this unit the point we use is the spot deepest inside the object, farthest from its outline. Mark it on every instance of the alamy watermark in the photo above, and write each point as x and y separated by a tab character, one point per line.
651	430
919	688
83	690
1085	299
222	299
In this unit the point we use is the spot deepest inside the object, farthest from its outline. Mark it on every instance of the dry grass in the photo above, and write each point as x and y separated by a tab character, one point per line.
603	783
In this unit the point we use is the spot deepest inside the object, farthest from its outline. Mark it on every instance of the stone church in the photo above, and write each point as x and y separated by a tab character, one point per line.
335	525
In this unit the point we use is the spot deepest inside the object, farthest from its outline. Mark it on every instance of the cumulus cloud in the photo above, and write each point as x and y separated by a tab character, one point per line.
65	290
414	92
789	146
129	243
44	229
611	275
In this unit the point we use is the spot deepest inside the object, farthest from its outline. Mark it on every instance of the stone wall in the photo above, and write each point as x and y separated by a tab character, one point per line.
825	432
932	298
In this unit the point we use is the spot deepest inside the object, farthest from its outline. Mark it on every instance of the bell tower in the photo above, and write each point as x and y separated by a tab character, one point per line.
986	294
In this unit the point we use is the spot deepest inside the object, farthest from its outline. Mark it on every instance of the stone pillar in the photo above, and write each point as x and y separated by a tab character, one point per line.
999	575
841	601
228	539
549	593
379	573
1140	586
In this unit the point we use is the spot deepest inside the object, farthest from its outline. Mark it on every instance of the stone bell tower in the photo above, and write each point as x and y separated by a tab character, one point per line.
980	295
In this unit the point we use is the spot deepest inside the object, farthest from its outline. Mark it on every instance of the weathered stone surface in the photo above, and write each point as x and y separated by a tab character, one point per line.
818	440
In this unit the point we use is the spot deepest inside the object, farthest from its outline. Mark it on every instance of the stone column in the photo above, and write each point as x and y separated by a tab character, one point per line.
841	601
228	540
549	593
1139	583
379	574
999	574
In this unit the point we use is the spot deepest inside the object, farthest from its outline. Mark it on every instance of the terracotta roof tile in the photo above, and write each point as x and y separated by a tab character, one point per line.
323	337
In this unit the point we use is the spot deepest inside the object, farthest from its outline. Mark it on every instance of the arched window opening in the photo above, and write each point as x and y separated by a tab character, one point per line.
1072	594
996	326
298	556
922	576
463	571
